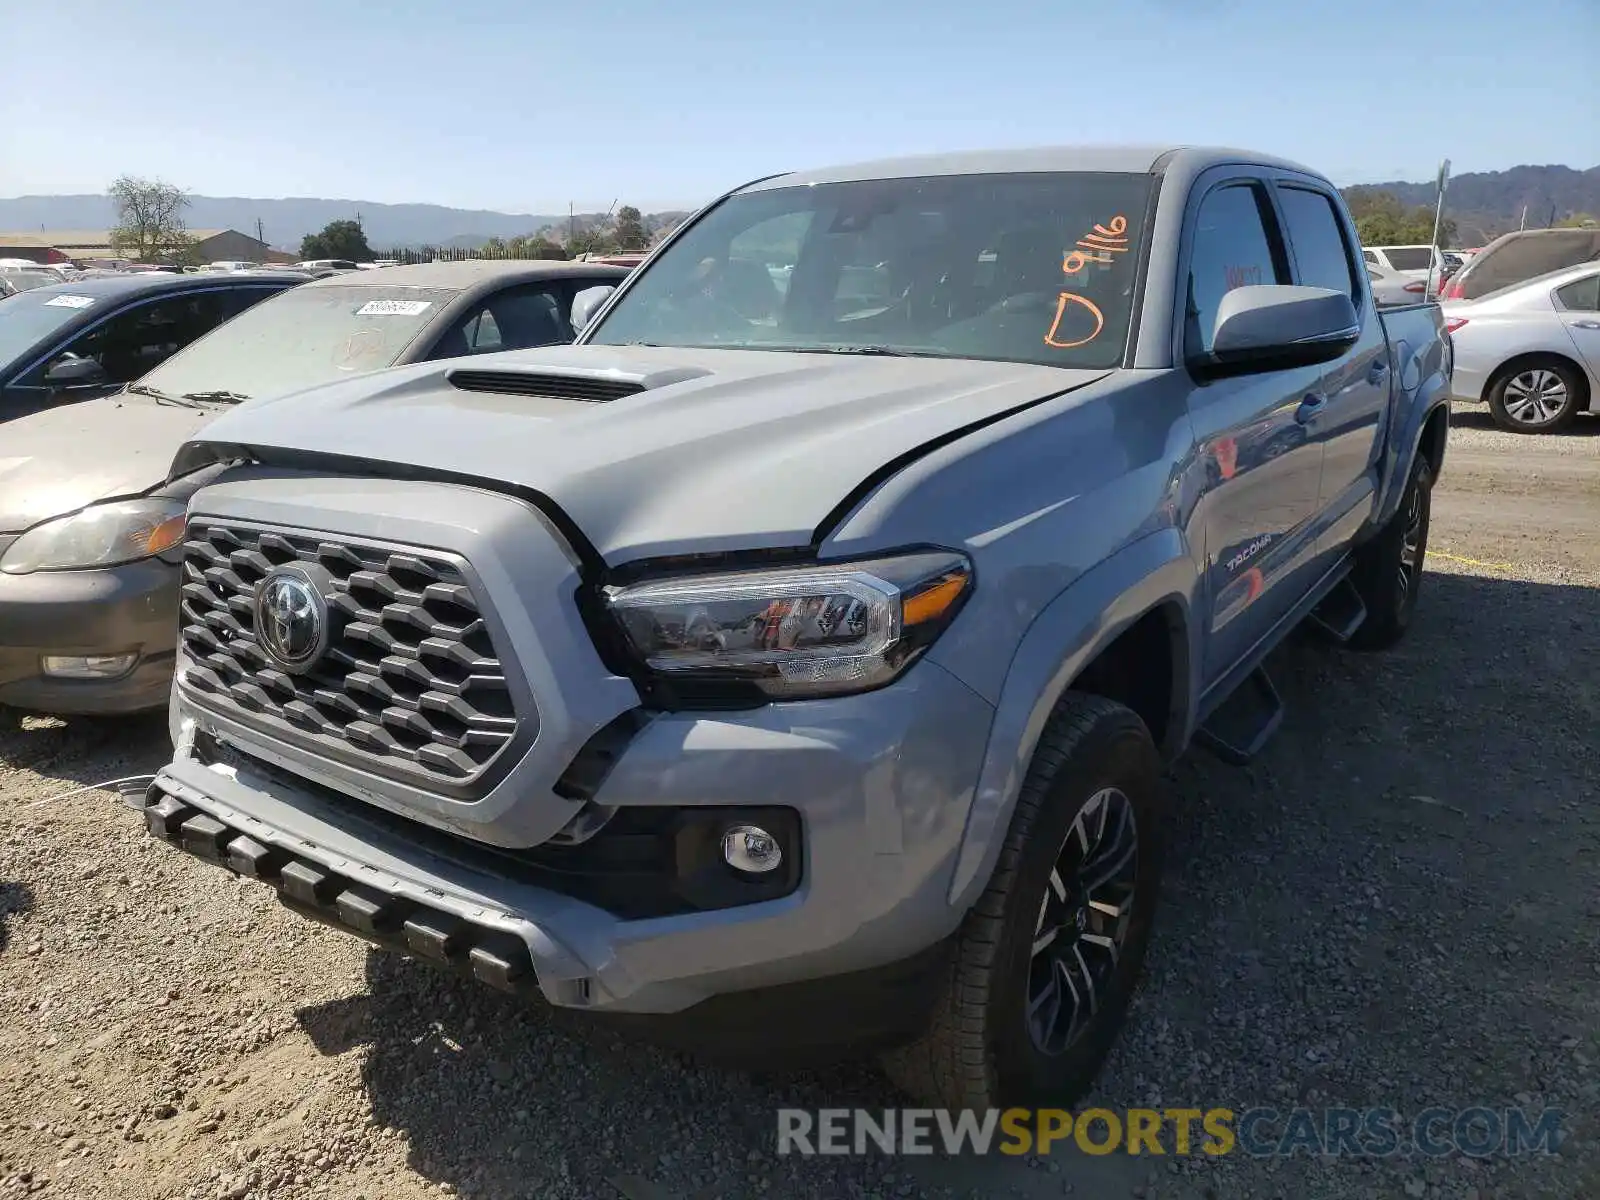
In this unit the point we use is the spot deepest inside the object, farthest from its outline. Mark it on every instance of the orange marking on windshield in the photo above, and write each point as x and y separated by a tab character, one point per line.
1062	301
1099	248
1077	260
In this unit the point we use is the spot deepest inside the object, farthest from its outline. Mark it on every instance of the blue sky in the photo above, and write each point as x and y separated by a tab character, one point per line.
525	107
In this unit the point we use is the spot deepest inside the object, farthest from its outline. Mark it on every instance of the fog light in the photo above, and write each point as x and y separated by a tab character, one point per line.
751	849
87	666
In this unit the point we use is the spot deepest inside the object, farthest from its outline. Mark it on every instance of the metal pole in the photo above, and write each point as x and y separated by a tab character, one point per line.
1523	224
1438	218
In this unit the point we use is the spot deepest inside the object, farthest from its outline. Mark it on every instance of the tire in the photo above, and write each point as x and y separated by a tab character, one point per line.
1388	569
1538	396
1095	757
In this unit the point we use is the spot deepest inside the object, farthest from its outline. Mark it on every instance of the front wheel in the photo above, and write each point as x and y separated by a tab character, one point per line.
1047	960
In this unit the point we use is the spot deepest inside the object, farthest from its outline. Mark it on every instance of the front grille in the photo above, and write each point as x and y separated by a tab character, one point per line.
410	684
560	387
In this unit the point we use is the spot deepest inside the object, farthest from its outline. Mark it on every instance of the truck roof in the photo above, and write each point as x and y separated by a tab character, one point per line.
1137	159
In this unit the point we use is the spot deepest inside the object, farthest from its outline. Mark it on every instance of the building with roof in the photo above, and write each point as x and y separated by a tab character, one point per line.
85	245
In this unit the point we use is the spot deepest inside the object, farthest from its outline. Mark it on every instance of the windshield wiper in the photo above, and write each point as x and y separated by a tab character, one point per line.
222	396
878	351
144	389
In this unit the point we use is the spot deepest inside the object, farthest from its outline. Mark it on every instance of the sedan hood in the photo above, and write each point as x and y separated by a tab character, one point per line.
713	450
59	460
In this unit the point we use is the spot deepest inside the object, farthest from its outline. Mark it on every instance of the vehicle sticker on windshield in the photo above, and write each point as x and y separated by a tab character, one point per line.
1099	247
394	308
69	302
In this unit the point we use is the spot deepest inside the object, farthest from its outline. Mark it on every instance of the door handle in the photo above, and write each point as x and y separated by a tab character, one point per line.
1586	324
1377	371
1310	407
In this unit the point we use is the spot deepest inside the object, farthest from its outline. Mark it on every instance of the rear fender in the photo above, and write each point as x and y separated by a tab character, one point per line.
1420	388
1402	450
1068	633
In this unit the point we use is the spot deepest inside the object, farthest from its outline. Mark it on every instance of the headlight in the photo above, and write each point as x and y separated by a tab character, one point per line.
102	535
794	632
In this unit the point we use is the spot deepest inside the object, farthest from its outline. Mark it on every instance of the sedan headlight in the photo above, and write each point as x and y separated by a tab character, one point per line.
102	535
794	632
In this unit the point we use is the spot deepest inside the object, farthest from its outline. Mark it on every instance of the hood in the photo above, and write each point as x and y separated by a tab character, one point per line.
59	460
716	450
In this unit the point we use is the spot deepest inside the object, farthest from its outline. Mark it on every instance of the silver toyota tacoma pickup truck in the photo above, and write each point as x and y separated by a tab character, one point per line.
793	659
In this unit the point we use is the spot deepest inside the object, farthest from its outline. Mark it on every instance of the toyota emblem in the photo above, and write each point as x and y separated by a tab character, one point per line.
291	619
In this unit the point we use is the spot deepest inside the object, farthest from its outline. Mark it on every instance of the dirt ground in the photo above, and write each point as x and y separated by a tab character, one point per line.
1396	906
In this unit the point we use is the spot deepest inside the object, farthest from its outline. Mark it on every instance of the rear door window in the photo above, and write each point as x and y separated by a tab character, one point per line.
1581	296
1410	258
1321	254
236	300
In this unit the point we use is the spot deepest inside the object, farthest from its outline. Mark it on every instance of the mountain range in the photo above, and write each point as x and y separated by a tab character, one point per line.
1484	204
285	221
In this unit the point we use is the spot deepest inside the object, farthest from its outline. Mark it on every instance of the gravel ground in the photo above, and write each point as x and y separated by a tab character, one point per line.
1394	907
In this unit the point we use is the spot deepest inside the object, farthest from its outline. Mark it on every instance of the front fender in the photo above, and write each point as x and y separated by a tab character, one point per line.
1067	634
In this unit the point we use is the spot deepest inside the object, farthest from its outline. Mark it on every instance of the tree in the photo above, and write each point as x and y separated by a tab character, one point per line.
1382	220
629	232
495	248
150	221
535	245
338	239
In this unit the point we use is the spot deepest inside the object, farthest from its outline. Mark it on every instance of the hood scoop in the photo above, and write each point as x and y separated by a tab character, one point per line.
595	389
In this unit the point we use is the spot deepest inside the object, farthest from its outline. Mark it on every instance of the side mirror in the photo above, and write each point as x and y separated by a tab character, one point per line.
1264	327
586	303
73	371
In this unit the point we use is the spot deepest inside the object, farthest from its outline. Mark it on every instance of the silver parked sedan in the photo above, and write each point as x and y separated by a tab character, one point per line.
1531	351
1390	288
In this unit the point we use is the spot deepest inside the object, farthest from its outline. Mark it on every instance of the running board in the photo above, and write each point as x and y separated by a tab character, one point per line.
1340	613
1242	726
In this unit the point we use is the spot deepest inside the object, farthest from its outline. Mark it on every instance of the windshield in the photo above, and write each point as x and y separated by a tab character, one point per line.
1035	268
300	338
37	313
1522	257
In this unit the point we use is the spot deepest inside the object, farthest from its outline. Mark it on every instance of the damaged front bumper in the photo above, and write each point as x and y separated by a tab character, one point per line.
881	784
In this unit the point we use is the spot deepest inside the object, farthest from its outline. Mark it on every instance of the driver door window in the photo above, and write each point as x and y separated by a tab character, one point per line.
1231	249
133	342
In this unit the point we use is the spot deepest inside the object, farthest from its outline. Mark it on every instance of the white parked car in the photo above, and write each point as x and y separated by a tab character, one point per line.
60	272
1414	262
1390	287
1530	351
